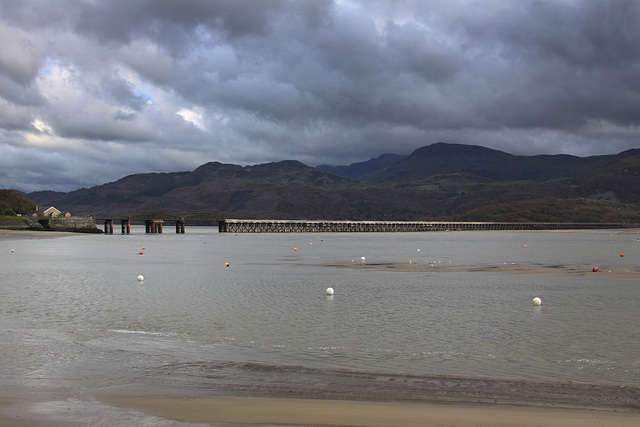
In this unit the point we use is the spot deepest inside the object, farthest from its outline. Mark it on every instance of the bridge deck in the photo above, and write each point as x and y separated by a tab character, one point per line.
161	216
337	226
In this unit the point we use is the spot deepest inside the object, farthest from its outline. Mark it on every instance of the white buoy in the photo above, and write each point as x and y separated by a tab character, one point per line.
537	301
362	258
140	278
330	291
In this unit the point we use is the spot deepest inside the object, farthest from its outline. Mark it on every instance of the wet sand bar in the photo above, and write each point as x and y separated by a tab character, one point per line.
255	393
281	412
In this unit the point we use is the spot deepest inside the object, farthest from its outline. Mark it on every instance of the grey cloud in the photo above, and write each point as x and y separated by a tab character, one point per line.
593	34
317	81
415	53
98	127
19	58
173	23
18	94
571	62
12	119
124	93
123	115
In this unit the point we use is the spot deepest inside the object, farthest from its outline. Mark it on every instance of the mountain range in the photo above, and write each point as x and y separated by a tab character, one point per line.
438	181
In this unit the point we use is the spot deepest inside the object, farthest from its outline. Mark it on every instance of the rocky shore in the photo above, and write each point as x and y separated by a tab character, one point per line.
76	224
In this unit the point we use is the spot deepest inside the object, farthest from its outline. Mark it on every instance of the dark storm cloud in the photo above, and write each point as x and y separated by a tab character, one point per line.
124	93
156	85
573	63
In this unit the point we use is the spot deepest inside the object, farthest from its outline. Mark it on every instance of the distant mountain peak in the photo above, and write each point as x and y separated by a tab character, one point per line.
443	148
281	165
359	169
217	169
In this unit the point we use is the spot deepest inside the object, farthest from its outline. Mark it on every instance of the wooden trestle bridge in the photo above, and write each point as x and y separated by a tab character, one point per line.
154	222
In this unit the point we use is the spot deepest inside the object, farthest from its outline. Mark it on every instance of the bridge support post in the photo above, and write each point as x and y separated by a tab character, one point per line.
108	226
126	226
179	226
153	226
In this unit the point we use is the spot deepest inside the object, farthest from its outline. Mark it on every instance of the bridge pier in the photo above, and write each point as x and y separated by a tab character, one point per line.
153	226
154	221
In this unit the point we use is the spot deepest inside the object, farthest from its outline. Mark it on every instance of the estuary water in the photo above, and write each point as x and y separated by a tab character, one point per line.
74	316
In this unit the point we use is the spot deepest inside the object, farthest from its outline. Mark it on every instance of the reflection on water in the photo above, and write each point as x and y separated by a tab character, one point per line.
270	305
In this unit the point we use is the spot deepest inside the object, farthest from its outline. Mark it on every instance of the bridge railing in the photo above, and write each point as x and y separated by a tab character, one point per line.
163	216
338	226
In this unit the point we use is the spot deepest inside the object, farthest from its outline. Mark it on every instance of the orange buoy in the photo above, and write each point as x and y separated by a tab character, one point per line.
295	249
595	269
141	253
226	264
525	246
621	254
139	244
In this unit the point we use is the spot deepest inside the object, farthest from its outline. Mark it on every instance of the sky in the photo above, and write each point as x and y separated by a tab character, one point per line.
95	90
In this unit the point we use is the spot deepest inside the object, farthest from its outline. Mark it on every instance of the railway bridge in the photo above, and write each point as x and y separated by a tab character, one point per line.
337	226
154	222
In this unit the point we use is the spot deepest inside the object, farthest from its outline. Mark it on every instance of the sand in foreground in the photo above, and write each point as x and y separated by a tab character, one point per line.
367	414
240	411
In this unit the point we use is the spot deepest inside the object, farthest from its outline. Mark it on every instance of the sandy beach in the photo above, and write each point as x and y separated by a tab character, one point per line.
239	411
369	414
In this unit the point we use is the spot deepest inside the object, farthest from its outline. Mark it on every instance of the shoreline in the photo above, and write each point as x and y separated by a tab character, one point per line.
279	395
227	393
295	411
107	407
24	234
